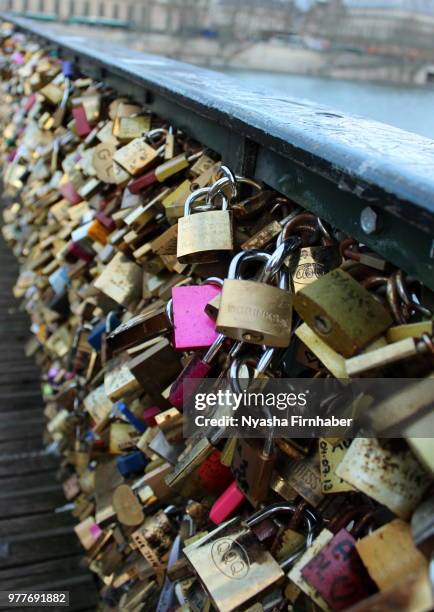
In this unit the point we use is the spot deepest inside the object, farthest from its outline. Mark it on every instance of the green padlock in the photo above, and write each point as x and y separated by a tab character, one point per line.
342	312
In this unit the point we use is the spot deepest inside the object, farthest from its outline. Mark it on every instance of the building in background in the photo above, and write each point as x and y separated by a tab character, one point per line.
385	40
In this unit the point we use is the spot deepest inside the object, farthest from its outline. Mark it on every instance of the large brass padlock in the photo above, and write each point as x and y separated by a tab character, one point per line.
232	564
258	312
342	312
205	236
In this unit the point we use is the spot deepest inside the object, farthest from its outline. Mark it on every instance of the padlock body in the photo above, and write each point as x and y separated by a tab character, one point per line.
312	263
255	312
252	469
171	167
342	312
195	371
232	565
203	237
194	329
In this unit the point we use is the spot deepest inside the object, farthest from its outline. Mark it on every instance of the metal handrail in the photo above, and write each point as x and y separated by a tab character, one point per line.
333	164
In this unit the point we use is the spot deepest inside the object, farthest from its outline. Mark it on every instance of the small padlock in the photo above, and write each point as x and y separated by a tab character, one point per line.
252	466
258	312
193	328
205	236
198	368
311	262
233	565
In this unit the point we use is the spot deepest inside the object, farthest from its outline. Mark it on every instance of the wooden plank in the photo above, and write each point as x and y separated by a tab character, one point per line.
26	463
23	417
38	546
33	550
70	564
27	482
31	444
32	503
19	432
36	523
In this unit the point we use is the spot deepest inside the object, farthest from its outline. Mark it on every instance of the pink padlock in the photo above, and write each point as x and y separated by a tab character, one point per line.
81	123
226	504
196	370
79	252
29	103
18	58
194	329
149	415
70	193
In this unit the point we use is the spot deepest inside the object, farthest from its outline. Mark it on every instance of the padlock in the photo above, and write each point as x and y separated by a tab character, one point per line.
337	573
272	230
131	464
204	236
151	323
344	314
394	479
193	328
197	369
255	311
106	326
81	122
136	156
227	504
252	466
155	368
162	172
311	262
232	564
381	552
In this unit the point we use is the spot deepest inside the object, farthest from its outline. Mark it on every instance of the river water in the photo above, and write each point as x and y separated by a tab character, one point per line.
410	108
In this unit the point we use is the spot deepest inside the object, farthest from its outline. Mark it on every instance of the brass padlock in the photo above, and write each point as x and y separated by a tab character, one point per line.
342	312
205	236
252	466
232	564
258	312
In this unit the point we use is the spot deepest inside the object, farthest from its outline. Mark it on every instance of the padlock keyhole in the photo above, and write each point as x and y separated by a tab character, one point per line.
251	337
322	324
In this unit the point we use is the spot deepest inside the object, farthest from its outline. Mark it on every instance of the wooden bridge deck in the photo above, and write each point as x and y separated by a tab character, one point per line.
38	546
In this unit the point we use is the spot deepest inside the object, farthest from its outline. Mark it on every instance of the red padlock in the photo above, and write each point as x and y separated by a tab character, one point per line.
81	123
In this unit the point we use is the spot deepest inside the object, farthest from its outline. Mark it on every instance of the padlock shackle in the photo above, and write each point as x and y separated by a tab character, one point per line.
260	366
169	311
200	194
234	372
408	298
216	190
192	198
213	280
228	178
276	260
214	349
310	520
245	257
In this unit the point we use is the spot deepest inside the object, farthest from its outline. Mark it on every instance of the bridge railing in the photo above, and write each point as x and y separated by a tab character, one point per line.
371	180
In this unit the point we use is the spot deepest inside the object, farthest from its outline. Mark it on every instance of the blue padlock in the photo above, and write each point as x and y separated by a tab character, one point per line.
68	69
106	325
132	464
130	417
